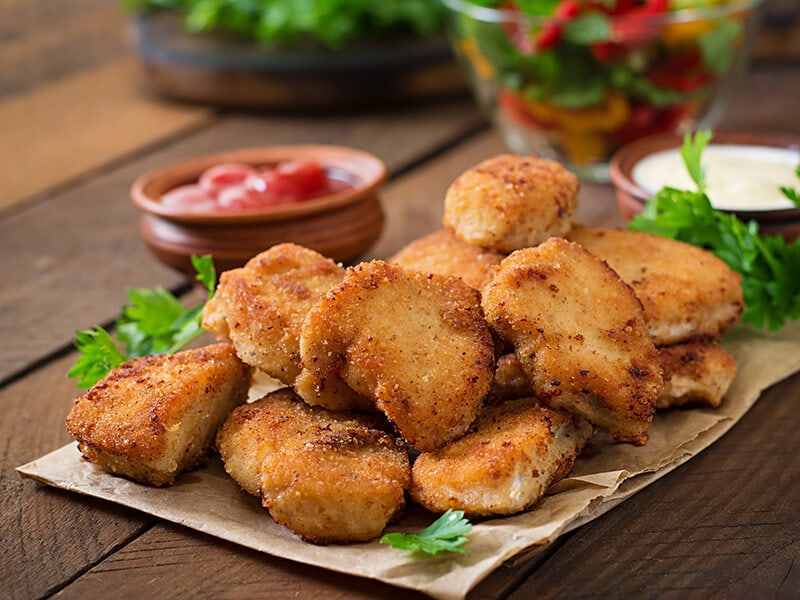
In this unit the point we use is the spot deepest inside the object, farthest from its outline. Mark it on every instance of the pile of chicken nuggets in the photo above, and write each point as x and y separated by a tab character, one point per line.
468	371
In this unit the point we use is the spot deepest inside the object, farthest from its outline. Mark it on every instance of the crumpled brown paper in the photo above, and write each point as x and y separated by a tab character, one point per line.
209	501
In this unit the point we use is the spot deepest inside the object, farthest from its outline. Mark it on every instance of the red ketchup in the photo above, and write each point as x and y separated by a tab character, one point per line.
235	186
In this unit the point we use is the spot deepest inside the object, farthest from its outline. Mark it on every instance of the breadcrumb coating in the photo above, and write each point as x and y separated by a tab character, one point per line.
579	334
156	416
509	202
331	477
688	294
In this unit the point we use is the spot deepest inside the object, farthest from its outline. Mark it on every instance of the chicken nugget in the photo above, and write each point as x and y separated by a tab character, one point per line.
695	373
416	344
261	306
579	334
687	293
504	464
329	477
509	202
156	416
443	253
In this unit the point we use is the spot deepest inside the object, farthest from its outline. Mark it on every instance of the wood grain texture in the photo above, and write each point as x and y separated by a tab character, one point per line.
61	131
48	536
96	252
41	42
724	525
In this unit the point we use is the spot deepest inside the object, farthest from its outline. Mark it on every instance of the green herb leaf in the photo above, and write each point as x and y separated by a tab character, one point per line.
791	193
445	534
99	354
154	322
768	264
590	28
691	152
332	22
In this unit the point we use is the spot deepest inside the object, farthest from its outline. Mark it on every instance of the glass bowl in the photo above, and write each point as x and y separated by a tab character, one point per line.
587	78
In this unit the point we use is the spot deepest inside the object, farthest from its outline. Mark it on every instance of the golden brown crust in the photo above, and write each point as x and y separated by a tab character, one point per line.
579	335
330	477
687	293
443	253
156	416
416	344
512	453
509	202
261	306
695	373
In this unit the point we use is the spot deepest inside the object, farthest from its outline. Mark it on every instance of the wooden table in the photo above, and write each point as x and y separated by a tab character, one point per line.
77	129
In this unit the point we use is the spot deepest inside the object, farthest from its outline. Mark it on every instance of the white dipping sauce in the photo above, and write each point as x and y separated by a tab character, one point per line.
738	177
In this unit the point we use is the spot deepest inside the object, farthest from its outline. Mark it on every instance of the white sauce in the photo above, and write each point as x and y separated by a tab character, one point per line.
738	177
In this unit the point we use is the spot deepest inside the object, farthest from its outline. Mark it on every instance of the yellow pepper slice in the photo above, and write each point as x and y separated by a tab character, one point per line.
482	66
609	116
584	148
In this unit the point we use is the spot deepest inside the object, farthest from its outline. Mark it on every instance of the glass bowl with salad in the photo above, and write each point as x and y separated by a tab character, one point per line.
574	80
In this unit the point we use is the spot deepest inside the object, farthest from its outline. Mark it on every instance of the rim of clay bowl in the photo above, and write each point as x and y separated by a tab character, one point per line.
368	172
623	161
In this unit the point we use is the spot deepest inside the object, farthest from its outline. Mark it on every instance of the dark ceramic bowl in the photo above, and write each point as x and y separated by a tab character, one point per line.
341	226
631	196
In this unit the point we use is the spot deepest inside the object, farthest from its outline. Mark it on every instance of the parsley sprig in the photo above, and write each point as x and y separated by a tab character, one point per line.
448	533
791	193
154	322
768	264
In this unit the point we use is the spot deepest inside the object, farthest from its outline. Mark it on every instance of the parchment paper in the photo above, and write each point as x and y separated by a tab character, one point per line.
209	501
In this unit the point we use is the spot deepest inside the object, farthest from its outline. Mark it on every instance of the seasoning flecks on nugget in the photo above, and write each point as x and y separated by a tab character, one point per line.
444	253
510	202
330	477
687	293
416	344
695	373
154	417
503	466
261	306
579	334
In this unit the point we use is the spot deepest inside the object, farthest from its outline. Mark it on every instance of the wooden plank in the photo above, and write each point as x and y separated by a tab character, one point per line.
724	525
54	134
42	42
85	242
170	561
48	536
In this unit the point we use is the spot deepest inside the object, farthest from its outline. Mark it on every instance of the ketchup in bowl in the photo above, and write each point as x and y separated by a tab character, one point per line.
241	187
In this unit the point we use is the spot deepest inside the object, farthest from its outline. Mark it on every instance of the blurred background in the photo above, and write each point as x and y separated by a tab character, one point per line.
44	40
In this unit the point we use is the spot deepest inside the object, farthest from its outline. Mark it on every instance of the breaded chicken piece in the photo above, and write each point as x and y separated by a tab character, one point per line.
695	373
579	335
261	306
687	293
416	344
509	202
443	253
504	464
154	417
329	477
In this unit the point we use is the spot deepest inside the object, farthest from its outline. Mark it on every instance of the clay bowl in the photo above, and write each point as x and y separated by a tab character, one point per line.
341	226
631	196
